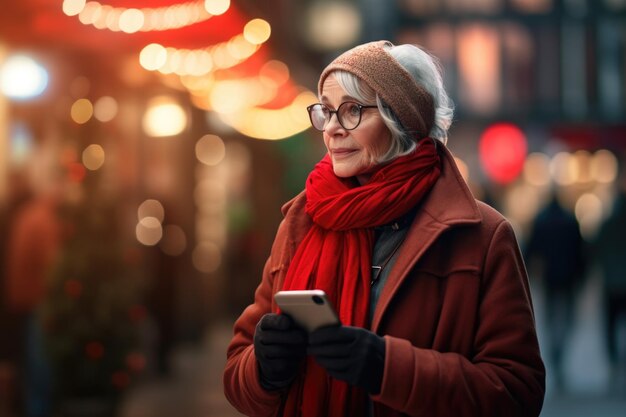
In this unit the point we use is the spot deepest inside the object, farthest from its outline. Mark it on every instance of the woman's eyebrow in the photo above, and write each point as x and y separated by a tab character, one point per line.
343	98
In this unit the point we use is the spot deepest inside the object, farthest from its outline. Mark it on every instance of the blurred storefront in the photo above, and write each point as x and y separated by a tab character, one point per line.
154	124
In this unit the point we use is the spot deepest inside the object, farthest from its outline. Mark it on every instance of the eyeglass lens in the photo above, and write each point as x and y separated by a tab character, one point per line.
348	113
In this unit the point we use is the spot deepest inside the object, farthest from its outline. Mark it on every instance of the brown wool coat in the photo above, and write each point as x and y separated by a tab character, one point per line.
455	312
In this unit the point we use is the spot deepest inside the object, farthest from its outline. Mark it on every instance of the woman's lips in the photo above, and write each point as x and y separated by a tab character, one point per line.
342	152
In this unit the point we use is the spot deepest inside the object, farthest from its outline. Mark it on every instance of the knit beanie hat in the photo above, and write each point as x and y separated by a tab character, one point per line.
371	62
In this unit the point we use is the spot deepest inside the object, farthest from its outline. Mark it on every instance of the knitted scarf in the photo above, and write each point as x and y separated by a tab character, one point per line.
336	256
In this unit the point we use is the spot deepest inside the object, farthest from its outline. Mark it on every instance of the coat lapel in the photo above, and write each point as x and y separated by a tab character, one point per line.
449	203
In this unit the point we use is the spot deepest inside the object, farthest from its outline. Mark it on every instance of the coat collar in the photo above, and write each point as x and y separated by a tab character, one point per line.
449	203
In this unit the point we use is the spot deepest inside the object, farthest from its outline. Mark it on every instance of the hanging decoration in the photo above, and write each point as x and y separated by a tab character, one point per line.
131	20
232	75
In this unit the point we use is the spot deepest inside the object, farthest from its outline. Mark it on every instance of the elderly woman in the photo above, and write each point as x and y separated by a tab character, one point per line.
429	283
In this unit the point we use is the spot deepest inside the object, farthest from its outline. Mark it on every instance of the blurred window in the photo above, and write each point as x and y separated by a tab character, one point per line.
479	67
542	59
517	66
616	5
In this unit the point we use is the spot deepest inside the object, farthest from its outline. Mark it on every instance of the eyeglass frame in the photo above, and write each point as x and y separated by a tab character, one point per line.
336	112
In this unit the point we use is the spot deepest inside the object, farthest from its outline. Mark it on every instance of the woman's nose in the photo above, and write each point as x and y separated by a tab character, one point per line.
333	124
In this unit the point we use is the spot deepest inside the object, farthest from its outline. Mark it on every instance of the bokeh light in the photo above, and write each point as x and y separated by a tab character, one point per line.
81	111
272	124
164	117
274	73
105	109
502	151
73	7
604	166
151	208
537	169
131	20
257	31
522	202
210	150
582	160
120	379
76	172
93	157
22	78
94	350
563	169
136	362
149	231
333	25
153	56
216	7
588	212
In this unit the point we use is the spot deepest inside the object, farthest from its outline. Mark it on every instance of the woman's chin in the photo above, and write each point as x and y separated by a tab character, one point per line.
344	172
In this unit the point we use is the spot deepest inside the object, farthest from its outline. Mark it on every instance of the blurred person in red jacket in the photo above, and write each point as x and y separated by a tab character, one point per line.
18	192
33	244
429	283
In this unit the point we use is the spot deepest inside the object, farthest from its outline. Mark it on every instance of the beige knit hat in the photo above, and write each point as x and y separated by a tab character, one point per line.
410	102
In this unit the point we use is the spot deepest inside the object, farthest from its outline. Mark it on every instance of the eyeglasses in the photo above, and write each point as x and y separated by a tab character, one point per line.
348	115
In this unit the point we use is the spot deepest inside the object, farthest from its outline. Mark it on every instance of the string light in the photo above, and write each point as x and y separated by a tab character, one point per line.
216	7
196	67
131	20
272	124
73	7
197	62
257	31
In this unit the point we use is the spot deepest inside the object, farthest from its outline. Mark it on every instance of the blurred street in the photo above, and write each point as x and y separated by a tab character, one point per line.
195	390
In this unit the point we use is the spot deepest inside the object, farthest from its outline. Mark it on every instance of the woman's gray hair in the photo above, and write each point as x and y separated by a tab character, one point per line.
425	70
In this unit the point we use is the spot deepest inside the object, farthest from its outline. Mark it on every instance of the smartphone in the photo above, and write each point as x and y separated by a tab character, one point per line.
308	308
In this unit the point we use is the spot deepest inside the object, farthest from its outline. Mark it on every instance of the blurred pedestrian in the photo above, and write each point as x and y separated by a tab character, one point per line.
610	252
33	244
556	244
11	347
429	283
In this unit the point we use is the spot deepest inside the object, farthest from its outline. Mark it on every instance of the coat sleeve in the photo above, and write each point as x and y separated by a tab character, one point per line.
504	375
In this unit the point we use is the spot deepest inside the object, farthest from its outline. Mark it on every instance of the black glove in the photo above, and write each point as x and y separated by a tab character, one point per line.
280	347
352	354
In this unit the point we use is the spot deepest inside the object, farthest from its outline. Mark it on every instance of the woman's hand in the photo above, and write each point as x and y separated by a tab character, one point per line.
352	354
280	347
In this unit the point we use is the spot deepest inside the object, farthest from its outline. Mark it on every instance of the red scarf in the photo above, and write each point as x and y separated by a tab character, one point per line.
336	256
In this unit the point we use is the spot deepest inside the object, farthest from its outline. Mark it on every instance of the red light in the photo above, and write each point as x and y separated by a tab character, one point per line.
120	379
94	350
73	288
502	150
76	172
